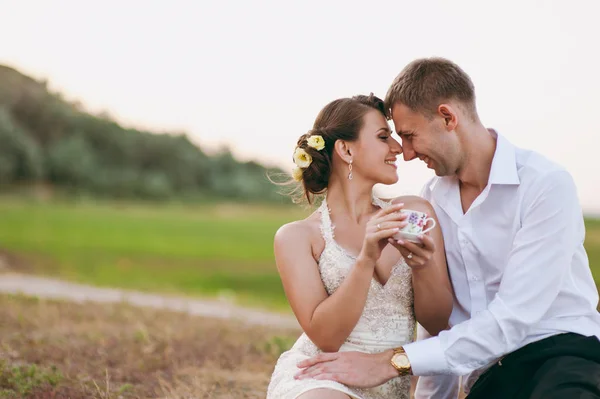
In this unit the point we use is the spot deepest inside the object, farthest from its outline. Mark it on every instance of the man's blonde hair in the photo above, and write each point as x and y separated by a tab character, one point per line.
425	83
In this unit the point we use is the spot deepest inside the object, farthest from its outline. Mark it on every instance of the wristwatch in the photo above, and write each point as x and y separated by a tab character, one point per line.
400	361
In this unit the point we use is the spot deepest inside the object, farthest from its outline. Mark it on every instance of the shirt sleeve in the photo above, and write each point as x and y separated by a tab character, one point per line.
550	233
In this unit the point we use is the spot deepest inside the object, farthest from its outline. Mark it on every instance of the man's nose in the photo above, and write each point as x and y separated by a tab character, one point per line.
408	153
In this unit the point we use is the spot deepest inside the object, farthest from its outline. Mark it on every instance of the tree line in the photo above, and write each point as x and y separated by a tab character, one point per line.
44	138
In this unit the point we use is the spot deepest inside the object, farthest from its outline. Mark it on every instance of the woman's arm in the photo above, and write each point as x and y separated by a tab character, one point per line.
328	320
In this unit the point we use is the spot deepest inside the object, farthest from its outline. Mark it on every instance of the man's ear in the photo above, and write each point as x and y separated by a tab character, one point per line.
343	150
449	114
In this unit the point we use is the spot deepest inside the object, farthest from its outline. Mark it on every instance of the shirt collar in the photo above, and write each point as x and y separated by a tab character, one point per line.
503	171
504	163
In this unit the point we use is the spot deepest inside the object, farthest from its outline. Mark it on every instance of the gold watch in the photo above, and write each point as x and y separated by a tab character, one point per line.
400	361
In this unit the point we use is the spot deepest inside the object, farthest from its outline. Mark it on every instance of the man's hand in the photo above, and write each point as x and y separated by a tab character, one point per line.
354	369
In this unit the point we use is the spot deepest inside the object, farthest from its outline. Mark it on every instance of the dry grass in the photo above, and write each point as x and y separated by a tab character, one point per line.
52	349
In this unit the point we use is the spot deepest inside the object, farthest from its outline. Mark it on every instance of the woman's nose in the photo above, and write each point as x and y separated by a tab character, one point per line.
396	147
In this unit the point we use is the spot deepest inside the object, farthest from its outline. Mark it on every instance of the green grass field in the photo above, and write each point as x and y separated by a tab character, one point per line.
219	250
213	250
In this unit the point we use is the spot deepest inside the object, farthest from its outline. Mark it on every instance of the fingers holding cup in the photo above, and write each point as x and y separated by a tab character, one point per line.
414	254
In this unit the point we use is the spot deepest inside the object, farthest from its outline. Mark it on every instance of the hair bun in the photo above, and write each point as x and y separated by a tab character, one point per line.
341	119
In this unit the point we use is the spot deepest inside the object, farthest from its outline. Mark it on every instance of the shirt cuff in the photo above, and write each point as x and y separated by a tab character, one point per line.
427	357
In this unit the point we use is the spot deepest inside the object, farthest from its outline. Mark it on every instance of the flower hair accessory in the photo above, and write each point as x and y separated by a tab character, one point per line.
316	142
297	173
302	159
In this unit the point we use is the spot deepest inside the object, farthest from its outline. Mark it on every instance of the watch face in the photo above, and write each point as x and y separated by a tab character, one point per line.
401	360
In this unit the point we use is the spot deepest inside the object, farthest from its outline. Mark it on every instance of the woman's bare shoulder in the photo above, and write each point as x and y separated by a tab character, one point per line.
301	235
303	230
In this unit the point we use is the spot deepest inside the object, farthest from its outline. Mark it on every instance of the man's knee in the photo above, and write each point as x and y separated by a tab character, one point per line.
566	377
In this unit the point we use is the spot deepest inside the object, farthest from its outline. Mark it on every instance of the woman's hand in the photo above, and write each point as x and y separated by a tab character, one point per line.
382	226
415	255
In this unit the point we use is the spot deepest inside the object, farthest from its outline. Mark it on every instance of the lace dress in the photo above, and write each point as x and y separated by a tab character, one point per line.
387	322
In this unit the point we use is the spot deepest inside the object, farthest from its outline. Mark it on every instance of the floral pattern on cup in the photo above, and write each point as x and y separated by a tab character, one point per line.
417	222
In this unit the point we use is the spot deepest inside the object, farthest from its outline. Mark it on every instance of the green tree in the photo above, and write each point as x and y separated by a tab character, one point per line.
20	156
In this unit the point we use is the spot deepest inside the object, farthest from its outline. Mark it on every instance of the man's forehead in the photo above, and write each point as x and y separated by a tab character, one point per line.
402	111
401	121
405	119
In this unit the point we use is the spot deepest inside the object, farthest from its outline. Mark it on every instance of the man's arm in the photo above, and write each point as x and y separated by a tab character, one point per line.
542	252
438	386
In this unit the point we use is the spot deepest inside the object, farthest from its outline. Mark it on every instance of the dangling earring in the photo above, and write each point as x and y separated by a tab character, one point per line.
350	176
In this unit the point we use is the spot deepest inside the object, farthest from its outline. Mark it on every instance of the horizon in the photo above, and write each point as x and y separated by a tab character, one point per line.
257	87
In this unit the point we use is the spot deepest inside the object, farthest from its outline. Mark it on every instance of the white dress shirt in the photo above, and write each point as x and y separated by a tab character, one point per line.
516	261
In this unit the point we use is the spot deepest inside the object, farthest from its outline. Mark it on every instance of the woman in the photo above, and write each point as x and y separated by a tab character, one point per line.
351	285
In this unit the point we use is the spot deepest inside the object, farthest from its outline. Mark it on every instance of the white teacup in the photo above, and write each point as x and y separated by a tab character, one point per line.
416	226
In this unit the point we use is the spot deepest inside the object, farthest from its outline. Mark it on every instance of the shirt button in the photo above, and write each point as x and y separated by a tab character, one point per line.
474	278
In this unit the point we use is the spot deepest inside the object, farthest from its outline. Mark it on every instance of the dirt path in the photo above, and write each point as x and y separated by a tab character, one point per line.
43	287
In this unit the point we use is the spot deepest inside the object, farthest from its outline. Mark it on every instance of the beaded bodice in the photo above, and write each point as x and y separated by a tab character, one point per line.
387	322
389	308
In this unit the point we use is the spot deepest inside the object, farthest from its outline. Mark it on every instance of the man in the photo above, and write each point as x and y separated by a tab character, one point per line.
524	323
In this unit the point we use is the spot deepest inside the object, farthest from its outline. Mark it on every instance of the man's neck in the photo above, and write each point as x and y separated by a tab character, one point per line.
479	146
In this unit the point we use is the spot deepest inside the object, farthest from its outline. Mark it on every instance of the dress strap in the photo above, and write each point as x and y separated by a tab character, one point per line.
381	203
326	225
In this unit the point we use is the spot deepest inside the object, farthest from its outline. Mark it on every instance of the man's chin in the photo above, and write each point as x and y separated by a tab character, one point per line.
440	172
444	174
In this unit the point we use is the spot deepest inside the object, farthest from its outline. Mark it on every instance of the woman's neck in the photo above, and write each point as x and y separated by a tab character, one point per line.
350	200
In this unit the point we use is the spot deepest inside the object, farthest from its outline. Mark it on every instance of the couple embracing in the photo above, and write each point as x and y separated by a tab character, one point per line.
495	285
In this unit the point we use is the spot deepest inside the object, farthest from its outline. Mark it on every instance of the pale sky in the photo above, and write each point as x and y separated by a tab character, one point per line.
254	74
